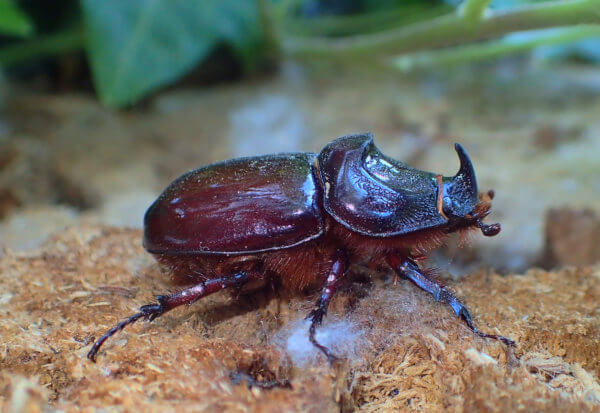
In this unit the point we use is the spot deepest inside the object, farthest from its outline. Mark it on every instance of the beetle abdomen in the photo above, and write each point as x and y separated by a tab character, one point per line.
296	269
241	206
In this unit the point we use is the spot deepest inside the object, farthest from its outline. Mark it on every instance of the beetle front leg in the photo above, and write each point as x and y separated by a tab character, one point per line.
409	269
336	274
168	302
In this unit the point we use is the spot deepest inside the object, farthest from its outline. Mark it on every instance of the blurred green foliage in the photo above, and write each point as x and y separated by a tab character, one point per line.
137	46
13	21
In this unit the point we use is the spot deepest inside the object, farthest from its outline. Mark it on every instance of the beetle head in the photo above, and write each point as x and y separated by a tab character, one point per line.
374	195
461	203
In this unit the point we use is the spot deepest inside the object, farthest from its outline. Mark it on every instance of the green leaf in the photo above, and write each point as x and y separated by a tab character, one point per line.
136	46
13	21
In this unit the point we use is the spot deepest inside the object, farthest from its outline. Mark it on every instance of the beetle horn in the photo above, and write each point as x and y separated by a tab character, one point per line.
464	180
466	173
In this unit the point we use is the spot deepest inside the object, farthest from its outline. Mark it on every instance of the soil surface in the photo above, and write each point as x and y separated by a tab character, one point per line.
401	349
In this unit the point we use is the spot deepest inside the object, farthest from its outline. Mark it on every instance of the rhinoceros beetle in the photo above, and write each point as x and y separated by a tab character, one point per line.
302	219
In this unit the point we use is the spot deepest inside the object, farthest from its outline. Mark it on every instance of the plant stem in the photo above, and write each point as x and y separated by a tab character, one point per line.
364	23
267	23
66	41
450	30
473	10
489	50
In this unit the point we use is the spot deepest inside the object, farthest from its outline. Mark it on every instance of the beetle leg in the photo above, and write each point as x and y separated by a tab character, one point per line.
168	302
336	274
409	269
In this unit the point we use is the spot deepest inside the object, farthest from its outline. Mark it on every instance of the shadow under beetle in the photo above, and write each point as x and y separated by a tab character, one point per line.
303	218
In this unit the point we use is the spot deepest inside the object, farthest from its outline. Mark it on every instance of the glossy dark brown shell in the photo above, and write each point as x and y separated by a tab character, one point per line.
241	206
372	194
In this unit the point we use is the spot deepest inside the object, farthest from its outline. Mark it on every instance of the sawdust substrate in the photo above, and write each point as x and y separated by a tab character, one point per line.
415	354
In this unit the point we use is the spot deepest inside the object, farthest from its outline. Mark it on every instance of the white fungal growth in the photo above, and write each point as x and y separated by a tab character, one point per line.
479	357
341	336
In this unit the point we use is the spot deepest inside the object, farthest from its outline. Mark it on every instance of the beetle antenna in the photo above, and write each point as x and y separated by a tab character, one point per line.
488	230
